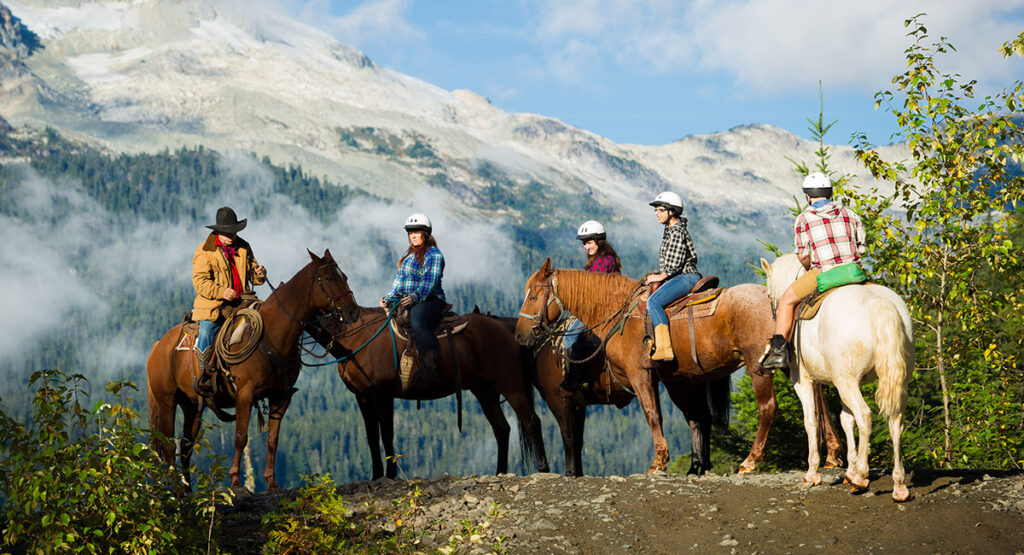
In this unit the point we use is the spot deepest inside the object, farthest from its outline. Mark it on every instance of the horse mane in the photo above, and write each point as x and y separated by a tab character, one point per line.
785	270
594	296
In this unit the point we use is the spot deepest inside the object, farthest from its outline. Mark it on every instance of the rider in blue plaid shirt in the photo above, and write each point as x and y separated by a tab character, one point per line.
417	287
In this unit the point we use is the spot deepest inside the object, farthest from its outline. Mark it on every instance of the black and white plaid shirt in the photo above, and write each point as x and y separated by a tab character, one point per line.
677	254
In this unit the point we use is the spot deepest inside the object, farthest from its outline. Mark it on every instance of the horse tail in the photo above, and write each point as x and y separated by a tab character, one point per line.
528	369
719	399
894	351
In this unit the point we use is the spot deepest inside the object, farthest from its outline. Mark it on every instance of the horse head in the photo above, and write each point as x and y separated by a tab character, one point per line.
541	306
332	289
780	275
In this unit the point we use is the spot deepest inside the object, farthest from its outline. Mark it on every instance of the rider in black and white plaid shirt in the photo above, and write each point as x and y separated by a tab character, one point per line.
677	261
677	254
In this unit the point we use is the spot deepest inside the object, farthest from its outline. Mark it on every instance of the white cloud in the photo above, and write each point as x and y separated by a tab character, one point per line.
372	21
774	45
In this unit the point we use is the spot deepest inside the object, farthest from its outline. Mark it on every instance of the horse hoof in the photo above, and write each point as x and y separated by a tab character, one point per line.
900	494
808	484
857	486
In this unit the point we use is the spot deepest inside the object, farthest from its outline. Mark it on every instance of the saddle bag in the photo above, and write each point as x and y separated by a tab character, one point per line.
841	275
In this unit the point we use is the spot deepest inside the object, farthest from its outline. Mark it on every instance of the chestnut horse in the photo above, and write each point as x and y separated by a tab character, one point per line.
269	372
488	362
732	337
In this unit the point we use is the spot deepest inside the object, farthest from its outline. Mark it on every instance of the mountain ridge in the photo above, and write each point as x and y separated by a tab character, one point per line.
260	82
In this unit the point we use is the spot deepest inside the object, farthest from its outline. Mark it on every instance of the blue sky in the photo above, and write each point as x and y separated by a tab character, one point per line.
653	71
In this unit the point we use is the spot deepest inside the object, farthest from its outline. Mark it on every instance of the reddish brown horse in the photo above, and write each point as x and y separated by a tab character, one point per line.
489	365
732	337
269	373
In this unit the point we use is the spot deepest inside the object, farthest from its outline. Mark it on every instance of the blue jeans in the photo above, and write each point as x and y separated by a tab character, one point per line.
670	290
424	317
207	331
573	334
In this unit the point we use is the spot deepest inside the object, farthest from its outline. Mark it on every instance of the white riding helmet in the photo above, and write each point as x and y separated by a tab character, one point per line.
591	229
670	200
817	184
418	222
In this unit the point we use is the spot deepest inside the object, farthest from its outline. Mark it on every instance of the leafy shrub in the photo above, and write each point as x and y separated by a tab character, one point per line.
318	521
85	481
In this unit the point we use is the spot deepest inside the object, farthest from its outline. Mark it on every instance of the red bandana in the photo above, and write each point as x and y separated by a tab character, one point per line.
230	252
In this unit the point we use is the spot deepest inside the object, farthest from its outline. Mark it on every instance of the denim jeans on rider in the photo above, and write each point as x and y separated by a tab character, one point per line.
424	317
207	331
670	290
573	334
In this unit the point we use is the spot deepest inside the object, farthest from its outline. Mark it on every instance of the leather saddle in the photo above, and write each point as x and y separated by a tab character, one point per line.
702	299
190	327
450	324
809	306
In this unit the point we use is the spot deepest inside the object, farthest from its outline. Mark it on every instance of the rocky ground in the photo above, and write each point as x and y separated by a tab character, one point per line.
950	512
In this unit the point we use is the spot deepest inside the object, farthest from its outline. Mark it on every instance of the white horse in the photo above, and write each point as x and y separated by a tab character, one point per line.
861	333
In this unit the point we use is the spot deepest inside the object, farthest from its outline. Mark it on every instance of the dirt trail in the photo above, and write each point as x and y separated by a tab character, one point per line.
950	512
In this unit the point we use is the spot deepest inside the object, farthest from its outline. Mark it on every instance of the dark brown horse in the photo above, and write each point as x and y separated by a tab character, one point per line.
488	363
732	337
269	373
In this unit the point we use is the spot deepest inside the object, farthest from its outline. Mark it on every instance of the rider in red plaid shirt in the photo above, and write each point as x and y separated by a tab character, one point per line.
827	235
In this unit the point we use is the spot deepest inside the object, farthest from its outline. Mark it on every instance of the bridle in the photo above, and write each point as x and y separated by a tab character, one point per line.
542	324
331	301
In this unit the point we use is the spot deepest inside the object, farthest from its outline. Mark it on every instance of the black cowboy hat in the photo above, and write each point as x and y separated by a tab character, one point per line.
227	221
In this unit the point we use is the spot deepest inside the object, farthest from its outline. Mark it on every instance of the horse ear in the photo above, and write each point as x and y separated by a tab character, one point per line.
327	255
545	270
766	267
312	256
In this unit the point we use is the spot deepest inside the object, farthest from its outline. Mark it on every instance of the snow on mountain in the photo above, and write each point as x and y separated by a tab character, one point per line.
145	75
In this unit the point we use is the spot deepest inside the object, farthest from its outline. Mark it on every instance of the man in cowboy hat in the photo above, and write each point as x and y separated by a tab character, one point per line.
222	268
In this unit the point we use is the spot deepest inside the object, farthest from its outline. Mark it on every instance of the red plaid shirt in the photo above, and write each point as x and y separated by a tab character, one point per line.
831	235
603	263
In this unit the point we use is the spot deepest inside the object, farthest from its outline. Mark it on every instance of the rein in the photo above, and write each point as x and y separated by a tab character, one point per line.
351	354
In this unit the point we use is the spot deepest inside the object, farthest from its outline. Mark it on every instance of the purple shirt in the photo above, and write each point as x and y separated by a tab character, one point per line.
603	263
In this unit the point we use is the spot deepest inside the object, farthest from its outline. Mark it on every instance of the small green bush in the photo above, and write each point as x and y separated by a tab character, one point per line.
84	481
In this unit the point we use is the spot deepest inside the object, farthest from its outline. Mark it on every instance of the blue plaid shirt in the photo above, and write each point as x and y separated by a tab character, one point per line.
419	281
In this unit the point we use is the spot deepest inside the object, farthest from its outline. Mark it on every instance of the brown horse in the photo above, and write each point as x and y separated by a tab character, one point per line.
569	410
732	337
488	362
269	373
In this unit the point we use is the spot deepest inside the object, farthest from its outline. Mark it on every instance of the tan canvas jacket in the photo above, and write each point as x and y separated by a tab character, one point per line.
211	275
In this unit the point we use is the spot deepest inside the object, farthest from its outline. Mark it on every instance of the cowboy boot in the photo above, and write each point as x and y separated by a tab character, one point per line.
203	384
575	376
662	343
776	354
427	374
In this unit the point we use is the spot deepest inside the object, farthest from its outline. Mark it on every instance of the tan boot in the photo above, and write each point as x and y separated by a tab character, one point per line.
662	343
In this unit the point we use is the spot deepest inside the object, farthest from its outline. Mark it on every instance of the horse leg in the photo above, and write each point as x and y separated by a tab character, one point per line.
579	419
645	390
846	420
372	429
563	410
764	392
832	445
805	391
900	492
692	400
529	425
193	419
161	424
491	407
243	408
386	420
849	392
277	409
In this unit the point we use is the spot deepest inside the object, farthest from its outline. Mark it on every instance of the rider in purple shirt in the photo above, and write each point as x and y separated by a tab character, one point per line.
601	257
